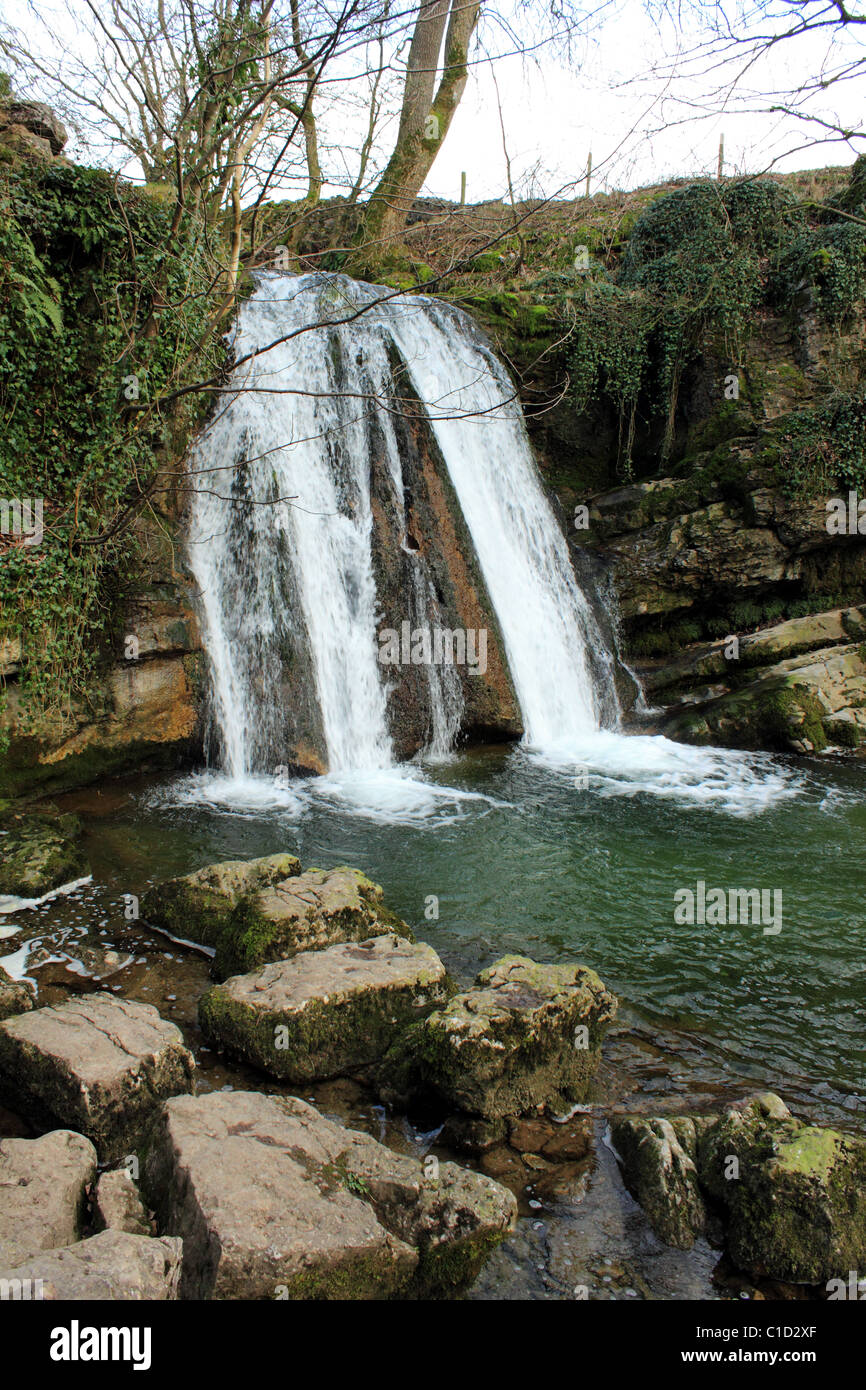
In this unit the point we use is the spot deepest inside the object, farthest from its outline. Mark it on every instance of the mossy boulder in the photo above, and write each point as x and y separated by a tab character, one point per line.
789	1197
525	1035
198	906
794	1194
310	912
325	1013
39	852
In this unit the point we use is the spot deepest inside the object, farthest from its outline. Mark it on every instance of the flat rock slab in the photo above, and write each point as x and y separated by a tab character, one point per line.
96	1064
197	906
325	1013
525	1035
43	1186
15	997
317	909
111	1266
273	1200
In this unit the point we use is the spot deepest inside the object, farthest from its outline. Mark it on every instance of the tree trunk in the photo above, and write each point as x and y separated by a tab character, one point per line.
424	119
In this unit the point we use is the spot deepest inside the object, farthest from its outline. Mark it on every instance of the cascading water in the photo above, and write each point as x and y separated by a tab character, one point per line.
282	523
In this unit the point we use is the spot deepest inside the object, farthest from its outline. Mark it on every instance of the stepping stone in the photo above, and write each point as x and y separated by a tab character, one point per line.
275	1201
96	1064
43	1189
325	1013
197	907
310	912
525	1035
111	1266
117	1205
16	997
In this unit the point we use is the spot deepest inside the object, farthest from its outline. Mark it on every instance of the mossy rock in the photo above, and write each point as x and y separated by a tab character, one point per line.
795	1194
198	906
39	853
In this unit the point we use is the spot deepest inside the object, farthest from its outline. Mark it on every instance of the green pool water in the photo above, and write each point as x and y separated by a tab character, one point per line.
497	852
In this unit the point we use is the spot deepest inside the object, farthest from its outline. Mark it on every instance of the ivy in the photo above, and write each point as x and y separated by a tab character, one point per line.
825	447
698	268
91	295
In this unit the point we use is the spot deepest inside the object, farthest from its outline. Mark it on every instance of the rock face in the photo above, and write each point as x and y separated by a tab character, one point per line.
791	1196
117	1205
272	1200
318	908
145	711
112	1266
97	1064
658	1161
43	1185
38	853
523	1036
798	686
325	1013
197	907
15	997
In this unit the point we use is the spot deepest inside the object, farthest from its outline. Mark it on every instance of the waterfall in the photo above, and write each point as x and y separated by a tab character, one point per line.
282	526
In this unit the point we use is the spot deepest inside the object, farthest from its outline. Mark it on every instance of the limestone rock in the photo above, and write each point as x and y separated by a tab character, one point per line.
38	118
523	1036
113	1266
97	1064
274	1200
325	1013
43	1186
38	853
794	1194
316	909
16	997
198	906
659	1170
117	1205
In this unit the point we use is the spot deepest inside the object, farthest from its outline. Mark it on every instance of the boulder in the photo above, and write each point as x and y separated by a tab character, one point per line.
16	996
316	909
97	1064
273	1200
39	853
113	1266
325	1013
197	907
525	1035
37	118
43	1188
794	1194
658	1163
117	1205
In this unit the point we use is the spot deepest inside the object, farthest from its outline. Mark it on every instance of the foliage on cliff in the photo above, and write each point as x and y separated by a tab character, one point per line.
99	324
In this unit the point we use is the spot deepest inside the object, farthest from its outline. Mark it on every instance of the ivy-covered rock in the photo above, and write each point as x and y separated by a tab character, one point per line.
198	906
39	853
524	1035
275	1201
325	1013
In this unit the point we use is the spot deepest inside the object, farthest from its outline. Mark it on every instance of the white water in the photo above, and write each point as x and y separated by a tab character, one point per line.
281	545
